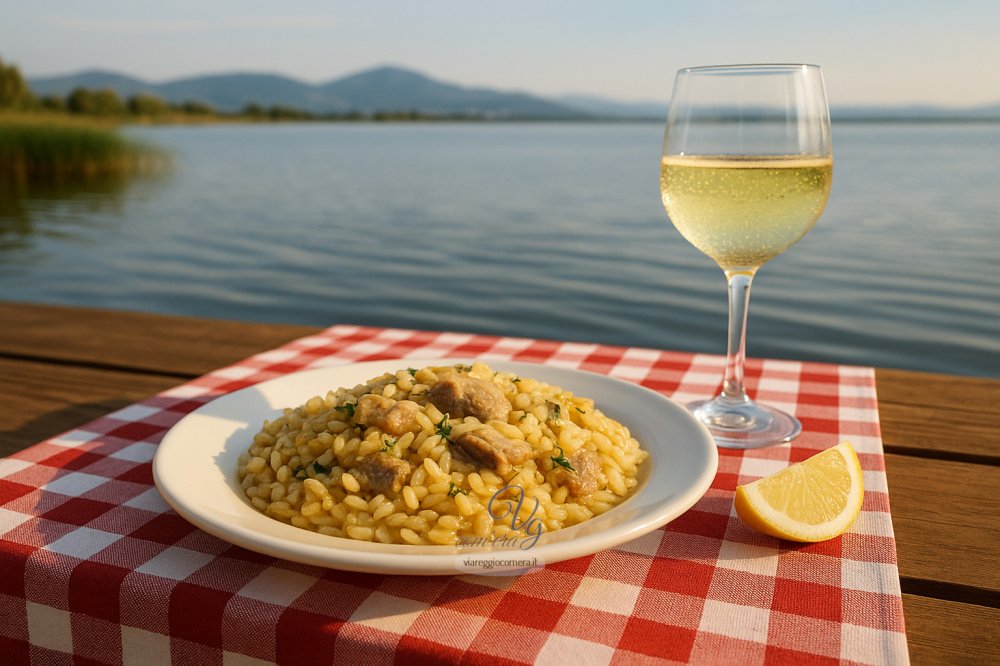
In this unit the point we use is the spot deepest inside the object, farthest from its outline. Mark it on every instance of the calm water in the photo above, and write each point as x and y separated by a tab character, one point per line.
543	230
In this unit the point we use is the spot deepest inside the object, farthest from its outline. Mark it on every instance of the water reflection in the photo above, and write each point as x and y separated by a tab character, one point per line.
29	211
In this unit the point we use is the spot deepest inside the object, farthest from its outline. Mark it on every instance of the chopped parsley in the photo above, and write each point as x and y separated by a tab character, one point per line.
523	414
443	428
412	371
347	408
561	460
299	473
317	468
388	444
454	490
516	380
579	410
555	411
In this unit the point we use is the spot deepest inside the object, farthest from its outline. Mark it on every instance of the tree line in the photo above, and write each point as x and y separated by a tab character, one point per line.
16	95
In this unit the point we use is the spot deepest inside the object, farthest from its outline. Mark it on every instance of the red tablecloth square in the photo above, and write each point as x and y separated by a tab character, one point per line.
657	639
10	491
166	528
304	638
94	589
196	613
528	611
680	576
805	599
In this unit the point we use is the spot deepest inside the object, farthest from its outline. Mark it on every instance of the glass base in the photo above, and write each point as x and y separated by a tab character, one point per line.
745	424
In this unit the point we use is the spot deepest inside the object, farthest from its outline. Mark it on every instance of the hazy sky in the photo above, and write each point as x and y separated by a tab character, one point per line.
934	51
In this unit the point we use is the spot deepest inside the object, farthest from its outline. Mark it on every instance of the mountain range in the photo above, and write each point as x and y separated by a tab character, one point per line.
398	89
378	89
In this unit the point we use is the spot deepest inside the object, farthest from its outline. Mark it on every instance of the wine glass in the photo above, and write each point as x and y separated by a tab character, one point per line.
746	172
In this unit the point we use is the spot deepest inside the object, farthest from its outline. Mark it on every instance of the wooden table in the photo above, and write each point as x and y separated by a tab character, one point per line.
65	366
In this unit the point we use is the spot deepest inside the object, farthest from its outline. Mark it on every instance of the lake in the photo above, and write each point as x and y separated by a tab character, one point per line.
550	230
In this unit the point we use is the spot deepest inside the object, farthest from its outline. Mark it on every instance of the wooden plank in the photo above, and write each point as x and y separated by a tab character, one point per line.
41	400
940	416
948	632
945	518
940	433
975	394
180	346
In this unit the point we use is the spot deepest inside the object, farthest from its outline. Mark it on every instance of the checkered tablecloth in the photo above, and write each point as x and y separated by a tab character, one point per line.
95	568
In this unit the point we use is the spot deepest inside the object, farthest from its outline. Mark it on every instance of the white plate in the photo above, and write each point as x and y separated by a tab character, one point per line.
195	471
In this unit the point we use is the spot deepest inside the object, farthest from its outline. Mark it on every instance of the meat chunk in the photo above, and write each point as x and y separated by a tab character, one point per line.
384	472
460	395
488	448
586	477
389	416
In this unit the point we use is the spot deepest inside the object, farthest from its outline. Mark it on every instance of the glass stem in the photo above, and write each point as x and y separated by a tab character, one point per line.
739	301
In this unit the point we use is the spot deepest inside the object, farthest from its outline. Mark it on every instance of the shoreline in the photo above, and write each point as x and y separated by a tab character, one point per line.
379	118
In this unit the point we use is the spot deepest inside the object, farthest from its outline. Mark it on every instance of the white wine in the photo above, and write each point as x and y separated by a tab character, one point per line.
744	210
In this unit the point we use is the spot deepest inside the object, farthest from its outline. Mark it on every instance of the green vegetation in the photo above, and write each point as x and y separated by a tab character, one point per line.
55	149
41	143
14	91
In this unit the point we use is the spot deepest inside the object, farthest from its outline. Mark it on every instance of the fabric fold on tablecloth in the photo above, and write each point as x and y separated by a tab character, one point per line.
94	564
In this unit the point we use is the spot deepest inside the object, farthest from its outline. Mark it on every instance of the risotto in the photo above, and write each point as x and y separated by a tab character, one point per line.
429	455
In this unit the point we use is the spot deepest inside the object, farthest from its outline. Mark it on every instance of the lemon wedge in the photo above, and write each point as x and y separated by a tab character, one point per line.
813	500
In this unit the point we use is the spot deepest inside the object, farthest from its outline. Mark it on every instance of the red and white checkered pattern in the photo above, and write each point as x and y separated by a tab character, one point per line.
95	567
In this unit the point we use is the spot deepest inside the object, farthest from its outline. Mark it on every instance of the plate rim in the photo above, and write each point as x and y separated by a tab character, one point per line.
416	560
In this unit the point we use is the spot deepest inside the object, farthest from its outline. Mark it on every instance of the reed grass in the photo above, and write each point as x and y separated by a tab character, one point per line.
53	148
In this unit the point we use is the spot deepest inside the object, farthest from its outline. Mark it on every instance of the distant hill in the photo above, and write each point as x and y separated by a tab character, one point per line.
378	89
63	85
232	92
